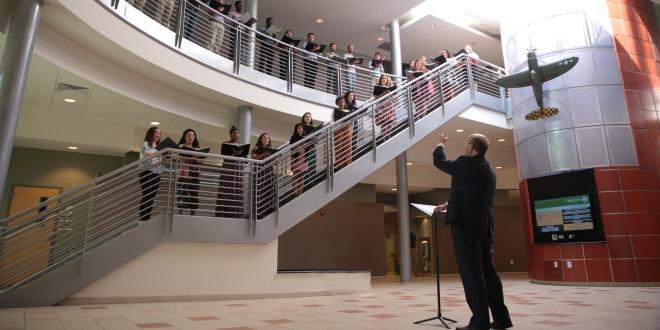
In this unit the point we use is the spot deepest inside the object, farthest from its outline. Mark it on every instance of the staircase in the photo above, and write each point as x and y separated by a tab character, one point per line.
66	243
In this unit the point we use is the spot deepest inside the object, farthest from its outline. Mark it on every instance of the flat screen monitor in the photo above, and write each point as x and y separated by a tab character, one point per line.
565	208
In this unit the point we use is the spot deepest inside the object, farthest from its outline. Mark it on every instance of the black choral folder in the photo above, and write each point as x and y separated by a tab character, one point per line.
310	47
228	149
167	143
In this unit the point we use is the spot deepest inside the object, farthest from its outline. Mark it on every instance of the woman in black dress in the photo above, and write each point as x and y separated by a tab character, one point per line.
264	178
229	203
188	181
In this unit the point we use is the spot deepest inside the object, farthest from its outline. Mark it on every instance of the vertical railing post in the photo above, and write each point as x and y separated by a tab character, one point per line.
411	111
373	129
89	217
470	76
180	23
289	70
329	158
237	49
276	171
338	88
173	179
442	93
251	182
171	188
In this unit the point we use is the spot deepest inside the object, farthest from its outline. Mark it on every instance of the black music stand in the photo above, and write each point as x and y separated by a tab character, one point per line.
439	317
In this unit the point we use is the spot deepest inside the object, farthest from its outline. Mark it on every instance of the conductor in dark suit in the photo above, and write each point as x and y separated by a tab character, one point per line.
469	213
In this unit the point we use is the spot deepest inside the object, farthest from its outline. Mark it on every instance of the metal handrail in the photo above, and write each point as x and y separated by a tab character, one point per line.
279	42
197	183
241	44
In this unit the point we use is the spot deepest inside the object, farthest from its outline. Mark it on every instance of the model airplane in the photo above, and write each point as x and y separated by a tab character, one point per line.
535	77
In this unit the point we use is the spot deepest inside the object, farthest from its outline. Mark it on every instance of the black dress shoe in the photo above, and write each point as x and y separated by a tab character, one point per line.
469	327
497	326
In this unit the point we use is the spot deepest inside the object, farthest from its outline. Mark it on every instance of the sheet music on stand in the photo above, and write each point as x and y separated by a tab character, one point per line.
427	209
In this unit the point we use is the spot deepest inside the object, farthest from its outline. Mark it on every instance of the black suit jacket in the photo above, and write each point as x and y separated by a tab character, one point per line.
472	190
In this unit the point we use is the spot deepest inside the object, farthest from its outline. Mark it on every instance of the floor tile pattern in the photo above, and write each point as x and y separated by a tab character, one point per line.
388	305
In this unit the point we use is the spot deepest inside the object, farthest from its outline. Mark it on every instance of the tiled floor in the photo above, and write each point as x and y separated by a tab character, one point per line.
388	305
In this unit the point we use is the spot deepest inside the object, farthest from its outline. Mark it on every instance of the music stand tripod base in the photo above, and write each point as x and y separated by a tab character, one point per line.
439	317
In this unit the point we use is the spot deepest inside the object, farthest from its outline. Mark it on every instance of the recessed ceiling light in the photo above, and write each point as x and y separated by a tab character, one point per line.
498	167
393	189
320	20
383	27
409	163
72	147
501	140
460	130
380	38
154	123
70	100
432	26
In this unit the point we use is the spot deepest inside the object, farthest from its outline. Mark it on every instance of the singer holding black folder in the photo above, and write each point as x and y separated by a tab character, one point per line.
298	161
310	149
264	181
285	48
309	62
150	172
331	69
469	212
188	173
229	203
343	136
385	115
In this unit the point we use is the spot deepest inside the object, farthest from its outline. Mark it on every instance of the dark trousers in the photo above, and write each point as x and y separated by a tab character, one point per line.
284	65
266	58
149	183
331	80
310	176
311	67
482	285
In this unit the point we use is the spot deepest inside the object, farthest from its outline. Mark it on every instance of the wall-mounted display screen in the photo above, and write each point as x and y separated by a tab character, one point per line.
565	208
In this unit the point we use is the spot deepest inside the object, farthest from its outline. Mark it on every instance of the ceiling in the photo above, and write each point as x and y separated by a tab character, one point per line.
102	121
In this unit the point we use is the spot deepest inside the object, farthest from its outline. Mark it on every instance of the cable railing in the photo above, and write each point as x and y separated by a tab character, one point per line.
172	182
210	30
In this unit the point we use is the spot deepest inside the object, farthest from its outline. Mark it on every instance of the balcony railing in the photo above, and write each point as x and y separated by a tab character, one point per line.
200	29
41	238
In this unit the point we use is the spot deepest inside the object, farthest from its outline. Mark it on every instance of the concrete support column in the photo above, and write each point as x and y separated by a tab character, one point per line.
401	172
244	123
13	75
251	6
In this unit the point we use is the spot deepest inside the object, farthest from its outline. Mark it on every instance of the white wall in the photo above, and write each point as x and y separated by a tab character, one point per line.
188	270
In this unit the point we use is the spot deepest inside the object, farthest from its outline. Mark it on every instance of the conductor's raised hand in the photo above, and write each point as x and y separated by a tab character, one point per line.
443	138
440	208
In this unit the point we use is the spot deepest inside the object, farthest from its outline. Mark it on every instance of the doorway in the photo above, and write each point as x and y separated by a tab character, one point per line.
18	260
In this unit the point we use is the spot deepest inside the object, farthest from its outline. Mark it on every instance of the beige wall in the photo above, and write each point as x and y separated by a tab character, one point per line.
344	235
509	238
195	271
57	169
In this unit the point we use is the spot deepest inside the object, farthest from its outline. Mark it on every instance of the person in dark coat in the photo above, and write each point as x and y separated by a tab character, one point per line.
470	216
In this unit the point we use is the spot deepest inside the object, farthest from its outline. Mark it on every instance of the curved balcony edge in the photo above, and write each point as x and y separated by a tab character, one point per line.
93	42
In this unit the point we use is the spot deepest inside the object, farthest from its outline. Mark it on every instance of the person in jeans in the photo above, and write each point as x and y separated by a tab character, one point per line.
150	174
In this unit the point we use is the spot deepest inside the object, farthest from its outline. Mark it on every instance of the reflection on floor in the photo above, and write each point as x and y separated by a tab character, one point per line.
388	305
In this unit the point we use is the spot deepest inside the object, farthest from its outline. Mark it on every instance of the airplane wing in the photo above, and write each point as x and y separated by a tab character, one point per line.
556	69
519	79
